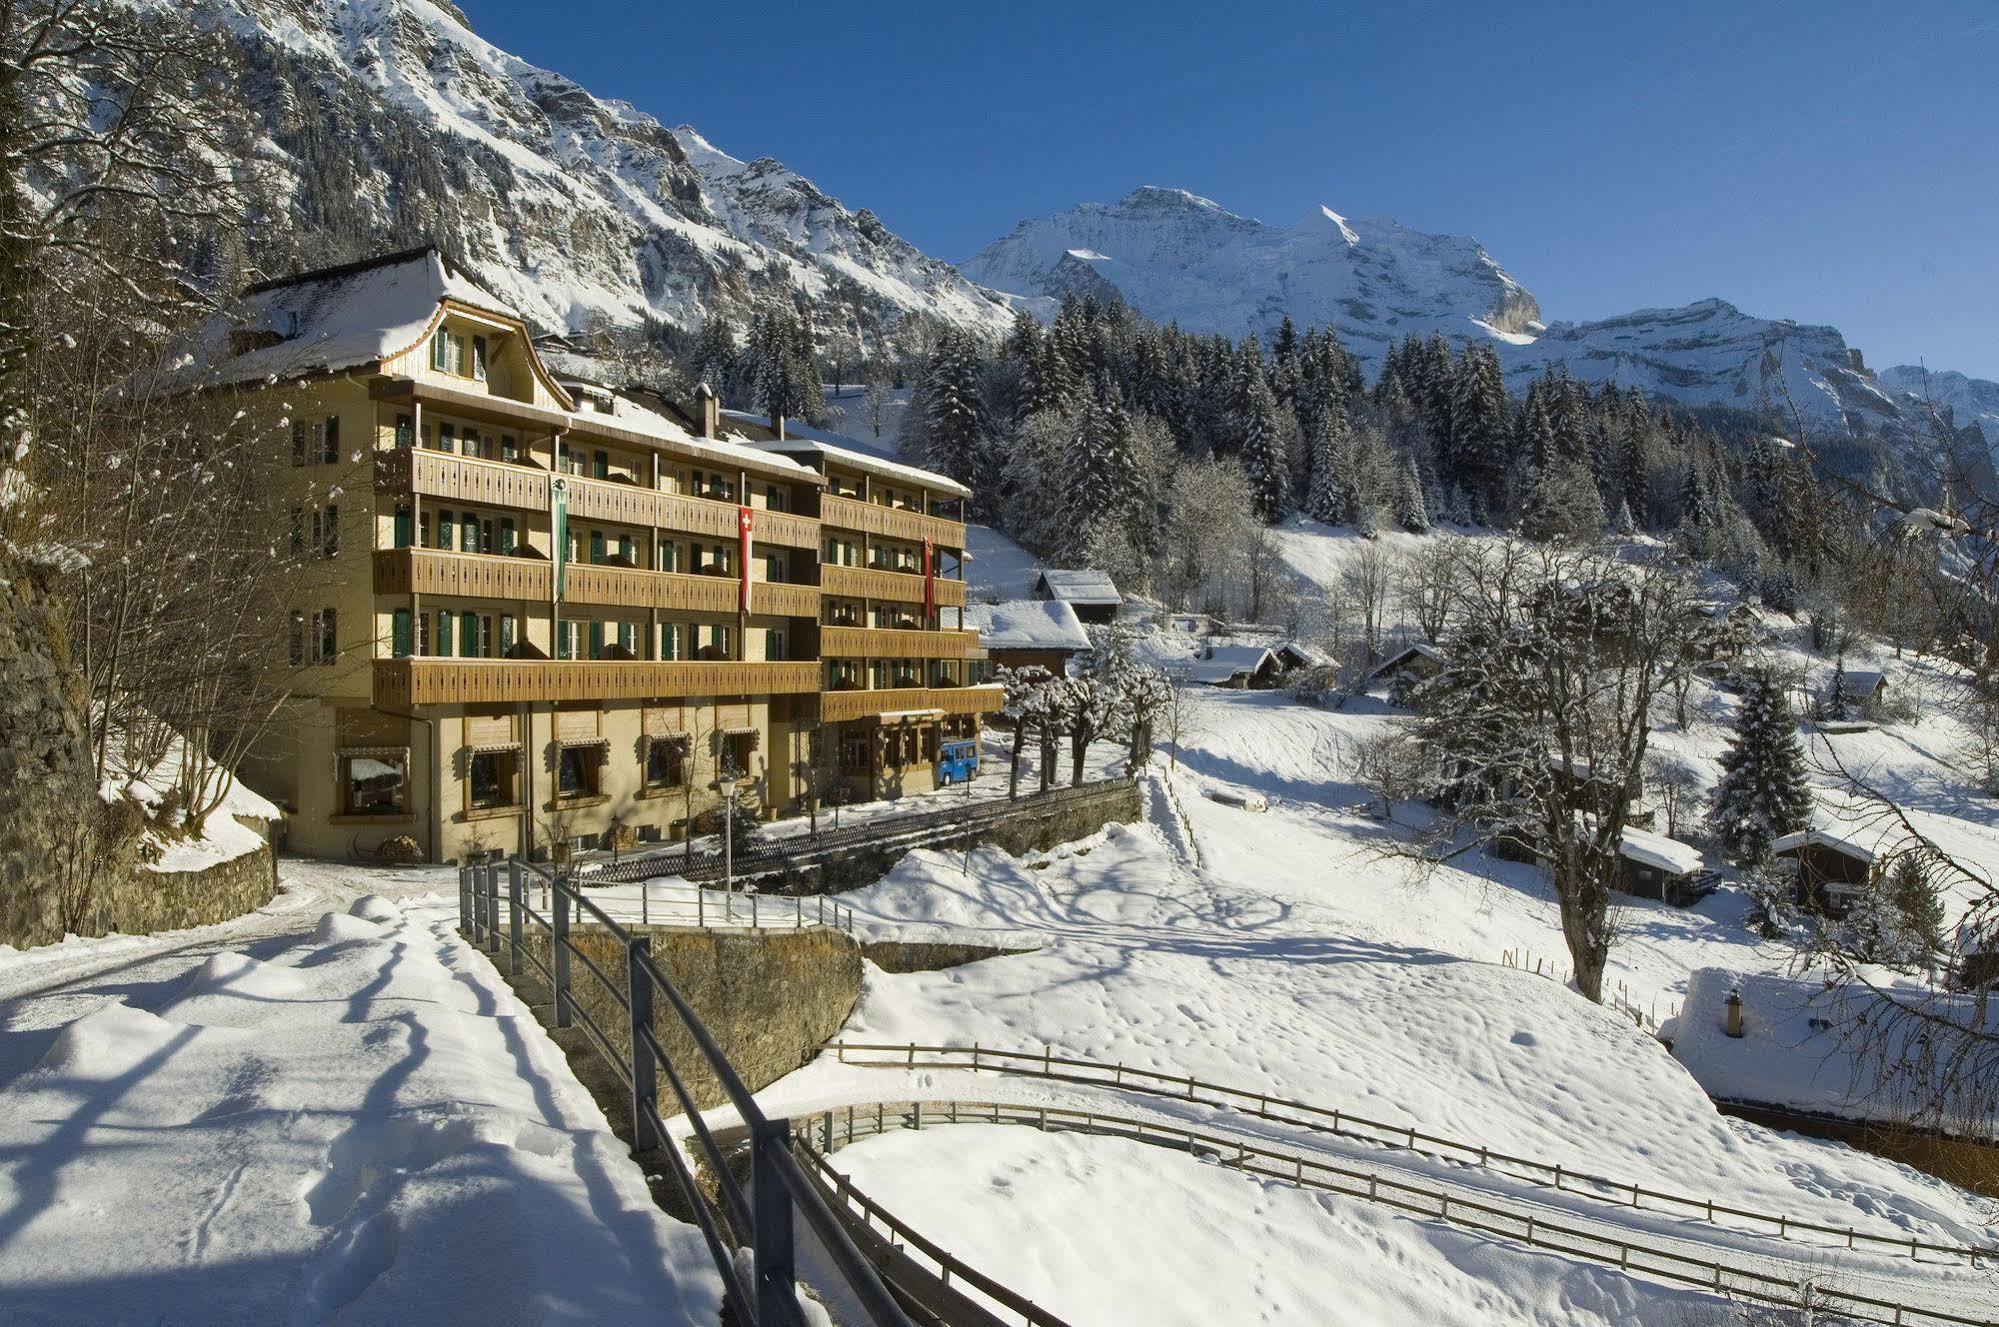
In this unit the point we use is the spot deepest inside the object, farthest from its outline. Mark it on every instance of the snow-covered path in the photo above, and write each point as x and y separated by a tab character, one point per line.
317	1113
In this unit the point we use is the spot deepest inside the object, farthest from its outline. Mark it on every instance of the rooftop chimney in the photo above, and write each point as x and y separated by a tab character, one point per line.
710	411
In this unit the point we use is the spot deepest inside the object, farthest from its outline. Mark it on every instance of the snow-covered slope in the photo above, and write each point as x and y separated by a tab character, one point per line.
1174	256
1968	400
390	122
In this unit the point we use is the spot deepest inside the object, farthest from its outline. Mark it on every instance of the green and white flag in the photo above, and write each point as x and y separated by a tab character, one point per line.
558	521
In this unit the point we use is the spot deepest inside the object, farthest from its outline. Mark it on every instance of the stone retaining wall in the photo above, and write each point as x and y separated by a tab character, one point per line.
148	901
768	997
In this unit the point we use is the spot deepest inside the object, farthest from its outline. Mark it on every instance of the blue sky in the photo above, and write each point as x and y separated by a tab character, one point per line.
1829	162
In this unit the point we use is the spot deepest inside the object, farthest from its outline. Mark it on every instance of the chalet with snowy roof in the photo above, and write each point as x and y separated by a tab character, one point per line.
553	610
1400	673
1656	867
1296	655
1830	868
1029	633
1866	690
1978	953
1236	667
1091	593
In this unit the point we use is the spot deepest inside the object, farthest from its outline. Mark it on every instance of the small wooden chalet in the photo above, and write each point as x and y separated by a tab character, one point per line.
1401	671
1830	871
1654	866
1091	593
1029	633
1237	667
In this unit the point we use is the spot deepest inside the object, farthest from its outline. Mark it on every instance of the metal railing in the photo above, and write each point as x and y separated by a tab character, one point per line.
671	902
781	855
1627	1194
495	917
833	1129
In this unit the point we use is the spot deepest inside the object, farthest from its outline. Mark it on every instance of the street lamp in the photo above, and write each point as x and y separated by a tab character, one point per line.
727	783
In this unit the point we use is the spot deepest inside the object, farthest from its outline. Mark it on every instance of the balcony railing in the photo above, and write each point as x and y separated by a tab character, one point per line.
471	575
887	643
492	576
892	586
401	683
841	706
890	522
448	476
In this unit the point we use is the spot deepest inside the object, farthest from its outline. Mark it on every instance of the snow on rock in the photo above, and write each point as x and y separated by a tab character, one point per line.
374	908
1027	624
337	927
1175	256
373	1131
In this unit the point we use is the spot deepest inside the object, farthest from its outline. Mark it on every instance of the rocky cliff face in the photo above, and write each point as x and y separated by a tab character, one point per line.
1177	257
387	122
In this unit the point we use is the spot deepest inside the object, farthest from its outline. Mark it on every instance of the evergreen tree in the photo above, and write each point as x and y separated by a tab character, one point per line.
1412	513
714	350
954	441
1476	449
1763	793
1330	495
1263	452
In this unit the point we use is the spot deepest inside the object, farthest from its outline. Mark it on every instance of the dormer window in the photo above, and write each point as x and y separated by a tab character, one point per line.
440	351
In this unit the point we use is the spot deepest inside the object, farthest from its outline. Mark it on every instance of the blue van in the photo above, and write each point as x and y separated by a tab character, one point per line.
957	762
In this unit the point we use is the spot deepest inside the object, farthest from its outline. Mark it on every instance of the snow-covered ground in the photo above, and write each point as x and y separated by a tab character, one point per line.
287	1120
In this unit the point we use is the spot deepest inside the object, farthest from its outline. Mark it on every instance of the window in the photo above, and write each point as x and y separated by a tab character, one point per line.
423	645
579	771
440	351
843	675
326	531
329	441
600	465
399	633
711	641
596	640
666	763
298	532
298	442
854	752
298	639
736	751
492	779
405	431
447	437
374	784
672	641
625	549
507	635
510	447
773	643
468	525
444	634
628	637
479	358
596	545
507	535
446	527
565	640
668	556
773	497
327	635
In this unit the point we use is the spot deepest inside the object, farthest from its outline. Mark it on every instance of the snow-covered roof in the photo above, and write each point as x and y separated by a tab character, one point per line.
864	461
1219	663
1847	843
336	318
1310	656
1081	585
630	415
1027	624
1798	1049
1420	650
1660	852
1861	682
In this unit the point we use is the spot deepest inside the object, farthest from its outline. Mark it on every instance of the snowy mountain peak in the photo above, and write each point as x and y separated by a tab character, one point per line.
1176	256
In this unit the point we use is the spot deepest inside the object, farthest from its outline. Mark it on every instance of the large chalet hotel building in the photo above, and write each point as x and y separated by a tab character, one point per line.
544	612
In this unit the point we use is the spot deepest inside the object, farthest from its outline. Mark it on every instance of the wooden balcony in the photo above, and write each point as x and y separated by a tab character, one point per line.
471	575
402	471
782	599
628	587
892	586
401	683
842	706
889	522
887	643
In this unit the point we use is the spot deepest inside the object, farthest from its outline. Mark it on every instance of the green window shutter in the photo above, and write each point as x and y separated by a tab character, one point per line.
596	545
506	534
596	640
506	635
399	633
469	541
404	532
602	465
625	547
468	635
628	636
446	527
443	634
440	351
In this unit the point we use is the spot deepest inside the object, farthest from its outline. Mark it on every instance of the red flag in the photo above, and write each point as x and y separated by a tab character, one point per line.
929	581
743	529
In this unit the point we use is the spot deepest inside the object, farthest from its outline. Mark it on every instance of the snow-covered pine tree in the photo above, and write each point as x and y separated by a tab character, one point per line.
1475	451
955	437
1412	513
1763	793
1329	497
1624	523
1263	452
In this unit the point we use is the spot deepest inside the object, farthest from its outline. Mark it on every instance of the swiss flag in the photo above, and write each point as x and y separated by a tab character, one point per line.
929	580
743	556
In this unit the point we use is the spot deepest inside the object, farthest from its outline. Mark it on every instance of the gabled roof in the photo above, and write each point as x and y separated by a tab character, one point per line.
335	318
1659	852
1081	585
1420	650
1822	838
1219	663
863	461
1860	682
1028	624
1307	656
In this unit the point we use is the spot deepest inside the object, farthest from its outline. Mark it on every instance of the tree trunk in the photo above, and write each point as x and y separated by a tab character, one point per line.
1079	743
1013	767
1047	757
1585	899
